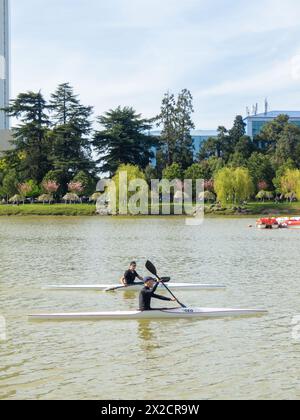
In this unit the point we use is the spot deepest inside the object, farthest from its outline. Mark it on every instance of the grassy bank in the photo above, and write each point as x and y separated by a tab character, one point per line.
252	209
48	210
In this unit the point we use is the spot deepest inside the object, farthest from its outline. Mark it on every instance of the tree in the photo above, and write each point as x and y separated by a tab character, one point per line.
133	173
245	147
76	188
167	120
288	145
70	137
150	174
173	172
233	185
260	168
24	189
218	147
262	186
290	182
123	140
50	187
194	172
184	151
281	171
88	182
9	184
237	131
210	148
30	137
175	119
271	132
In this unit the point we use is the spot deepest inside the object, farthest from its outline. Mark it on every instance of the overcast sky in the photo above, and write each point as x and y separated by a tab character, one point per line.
229	53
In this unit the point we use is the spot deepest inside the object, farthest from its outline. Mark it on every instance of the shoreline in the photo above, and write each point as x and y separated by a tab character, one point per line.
252	210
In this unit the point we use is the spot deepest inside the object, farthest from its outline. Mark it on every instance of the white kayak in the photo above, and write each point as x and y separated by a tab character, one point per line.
184	313
135	287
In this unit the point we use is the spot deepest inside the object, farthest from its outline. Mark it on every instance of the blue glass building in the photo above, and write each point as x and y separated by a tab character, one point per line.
255	123
198	136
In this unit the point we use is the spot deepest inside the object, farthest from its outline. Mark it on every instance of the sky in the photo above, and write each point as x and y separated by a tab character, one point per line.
230	53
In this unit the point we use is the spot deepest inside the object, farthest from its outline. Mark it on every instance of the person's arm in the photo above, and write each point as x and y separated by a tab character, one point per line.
123	281
139	277
162	298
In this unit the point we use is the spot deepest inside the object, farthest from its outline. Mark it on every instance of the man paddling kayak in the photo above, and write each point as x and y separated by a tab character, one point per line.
130	275
148	292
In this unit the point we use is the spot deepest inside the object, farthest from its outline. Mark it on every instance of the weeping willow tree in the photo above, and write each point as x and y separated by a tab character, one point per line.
290	183
233	185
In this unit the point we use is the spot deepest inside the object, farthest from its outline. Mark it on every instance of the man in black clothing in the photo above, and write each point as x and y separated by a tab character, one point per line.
130	275
148	292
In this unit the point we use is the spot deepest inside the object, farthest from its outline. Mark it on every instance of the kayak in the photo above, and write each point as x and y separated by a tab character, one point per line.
135	287
179	313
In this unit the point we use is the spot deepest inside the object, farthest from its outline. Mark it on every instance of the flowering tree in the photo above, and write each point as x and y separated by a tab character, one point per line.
50	187
76	187
24	189
262	186
209	185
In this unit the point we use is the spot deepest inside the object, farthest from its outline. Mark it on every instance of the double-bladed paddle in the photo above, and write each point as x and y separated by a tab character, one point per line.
150	267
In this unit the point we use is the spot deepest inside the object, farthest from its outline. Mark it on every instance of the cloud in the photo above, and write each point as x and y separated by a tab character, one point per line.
130	52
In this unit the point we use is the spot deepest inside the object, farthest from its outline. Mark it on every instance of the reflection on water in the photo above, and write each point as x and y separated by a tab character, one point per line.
148	340
241	358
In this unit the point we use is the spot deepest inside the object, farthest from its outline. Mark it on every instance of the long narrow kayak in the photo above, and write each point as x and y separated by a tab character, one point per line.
135	287
187	313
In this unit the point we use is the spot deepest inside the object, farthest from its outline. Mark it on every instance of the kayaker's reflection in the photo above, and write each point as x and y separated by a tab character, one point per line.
146	333
148	293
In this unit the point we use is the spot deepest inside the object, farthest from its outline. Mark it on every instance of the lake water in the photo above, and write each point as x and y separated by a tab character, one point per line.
208	359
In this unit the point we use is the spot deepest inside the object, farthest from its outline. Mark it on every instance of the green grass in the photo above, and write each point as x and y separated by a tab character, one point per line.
274	208
253	209
48	210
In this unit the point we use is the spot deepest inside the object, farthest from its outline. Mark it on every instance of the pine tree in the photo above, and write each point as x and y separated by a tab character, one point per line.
167	120
184	154
30	137
71	144
123	140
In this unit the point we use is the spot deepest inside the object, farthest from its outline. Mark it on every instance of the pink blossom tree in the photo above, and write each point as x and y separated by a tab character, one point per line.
24	189
76	187
50	187
209	185
262	186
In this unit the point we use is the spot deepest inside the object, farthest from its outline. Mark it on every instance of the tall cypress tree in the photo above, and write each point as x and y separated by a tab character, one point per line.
184	154
238	130
167	121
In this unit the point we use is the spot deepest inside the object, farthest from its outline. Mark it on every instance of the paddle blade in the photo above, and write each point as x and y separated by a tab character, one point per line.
150	267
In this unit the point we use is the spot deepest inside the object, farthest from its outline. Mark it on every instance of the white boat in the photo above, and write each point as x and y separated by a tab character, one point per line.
179	313
135	287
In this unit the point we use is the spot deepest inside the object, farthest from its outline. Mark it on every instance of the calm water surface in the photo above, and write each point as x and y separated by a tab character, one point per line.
208	359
